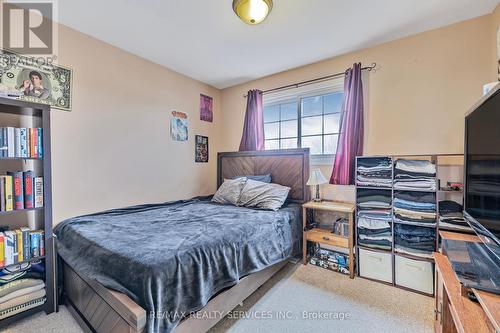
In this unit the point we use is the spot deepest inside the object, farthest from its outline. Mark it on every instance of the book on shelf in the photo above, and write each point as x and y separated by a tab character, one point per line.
20	190
8	192
21	142
38	191
10	253
28	189
2	249
25	148
17	179
20	245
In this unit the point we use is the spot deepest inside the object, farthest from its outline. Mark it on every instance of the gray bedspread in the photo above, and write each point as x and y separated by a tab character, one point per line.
171	258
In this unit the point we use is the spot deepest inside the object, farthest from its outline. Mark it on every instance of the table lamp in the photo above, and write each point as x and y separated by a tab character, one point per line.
316	178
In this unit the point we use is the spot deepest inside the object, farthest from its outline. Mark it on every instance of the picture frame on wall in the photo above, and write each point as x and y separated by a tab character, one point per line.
206	108
35	80
179	126
201	149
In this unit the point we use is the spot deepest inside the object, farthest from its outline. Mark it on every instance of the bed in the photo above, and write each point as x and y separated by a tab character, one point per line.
117	266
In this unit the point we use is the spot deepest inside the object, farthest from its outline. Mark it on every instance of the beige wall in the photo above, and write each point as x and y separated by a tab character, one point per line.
113	149
495	23
417	98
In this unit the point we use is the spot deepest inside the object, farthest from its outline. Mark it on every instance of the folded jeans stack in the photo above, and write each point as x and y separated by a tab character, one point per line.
451	216
374	172
415	240
414	175
418	208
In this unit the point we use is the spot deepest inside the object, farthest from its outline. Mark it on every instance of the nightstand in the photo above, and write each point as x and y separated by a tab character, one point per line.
323	236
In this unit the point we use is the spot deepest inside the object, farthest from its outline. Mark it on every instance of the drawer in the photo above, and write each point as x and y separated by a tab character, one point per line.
375	265
323	237
415	274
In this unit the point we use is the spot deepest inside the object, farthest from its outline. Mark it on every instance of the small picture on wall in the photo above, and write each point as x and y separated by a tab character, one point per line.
206	108
201	149
179	126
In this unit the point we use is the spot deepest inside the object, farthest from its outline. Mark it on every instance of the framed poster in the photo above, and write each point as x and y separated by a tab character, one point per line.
201	149
206	108
179	126
35	80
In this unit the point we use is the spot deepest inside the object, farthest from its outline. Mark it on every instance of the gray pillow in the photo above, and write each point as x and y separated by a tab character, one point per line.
260	178
229	192
263	195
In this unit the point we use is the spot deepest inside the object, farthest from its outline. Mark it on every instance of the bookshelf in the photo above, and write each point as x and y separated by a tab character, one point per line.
387	265
17	113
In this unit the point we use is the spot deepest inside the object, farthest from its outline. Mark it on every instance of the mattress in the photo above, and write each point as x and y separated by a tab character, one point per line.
171	258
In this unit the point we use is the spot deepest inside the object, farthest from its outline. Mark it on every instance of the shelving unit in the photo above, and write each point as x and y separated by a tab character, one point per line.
394	266
17	113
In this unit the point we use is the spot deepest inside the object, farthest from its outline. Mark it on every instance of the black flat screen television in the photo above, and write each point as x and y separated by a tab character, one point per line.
482	172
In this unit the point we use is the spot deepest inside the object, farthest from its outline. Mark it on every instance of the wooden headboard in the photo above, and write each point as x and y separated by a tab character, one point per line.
288	167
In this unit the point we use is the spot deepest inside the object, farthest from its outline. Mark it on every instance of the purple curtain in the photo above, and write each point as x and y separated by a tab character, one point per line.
253	129
350	142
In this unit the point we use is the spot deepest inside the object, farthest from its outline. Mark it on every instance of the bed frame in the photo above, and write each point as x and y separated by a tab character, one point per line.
99	309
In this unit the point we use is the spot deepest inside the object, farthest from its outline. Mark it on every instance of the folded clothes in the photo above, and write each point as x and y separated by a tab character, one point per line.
373	195
37	294
406	213
414	232
376	214
374	204
415	220
375	232
415	205
415	252
415	184
384	173
416	196
18	288
422	223
377	162
417	166
387	237
21	307
370	223
376	244
449	207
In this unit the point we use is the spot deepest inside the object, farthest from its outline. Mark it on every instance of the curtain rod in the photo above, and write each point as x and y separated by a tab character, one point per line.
319	79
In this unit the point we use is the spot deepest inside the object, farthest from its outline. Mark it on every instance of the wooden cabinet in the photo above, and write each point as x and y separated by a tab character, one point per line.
455	312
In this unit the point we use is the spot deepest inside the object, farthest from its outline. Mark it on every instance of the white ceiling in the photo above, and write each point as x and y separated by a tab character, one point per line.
205	40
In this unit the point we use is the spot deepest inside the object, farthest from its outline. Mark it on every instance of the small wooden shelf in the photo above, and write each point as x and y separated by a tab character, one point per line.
323	236
9	212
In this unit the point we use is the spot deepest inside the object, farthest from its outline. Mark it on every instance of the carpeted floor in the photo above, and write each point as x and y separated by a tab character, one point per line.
299	299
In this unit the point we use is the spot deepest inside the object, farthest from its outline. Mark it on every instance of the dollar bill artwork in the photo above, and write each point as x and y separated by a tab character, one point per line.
35	80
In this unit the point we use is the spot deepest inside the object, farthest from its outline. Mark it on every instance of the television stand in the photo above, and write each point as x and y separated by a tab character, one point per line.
455	312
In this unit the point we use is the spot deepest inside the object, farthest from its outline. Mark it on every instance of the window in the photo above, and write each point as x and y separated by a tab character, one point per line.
304	121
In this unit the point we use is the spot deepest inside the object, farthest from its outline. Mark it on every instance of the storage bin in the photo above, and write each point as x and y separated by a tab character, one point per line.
375	265
414	274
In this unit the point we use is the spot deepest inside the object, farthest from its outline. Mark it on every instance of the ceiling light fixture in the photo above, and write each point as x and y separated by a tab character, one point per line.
252	11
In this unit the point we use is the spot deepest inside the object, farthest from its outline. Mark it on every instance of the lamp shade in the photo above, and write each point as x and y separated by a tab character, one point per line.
316	178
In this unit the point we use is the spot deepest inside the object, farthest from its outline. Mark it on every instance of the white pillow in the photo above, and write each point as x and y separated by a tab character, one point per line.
263	195
229	192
